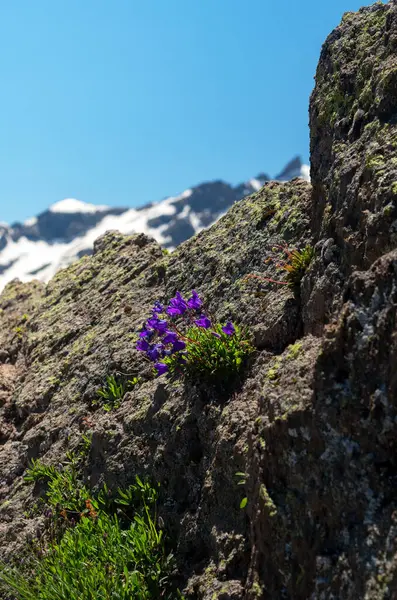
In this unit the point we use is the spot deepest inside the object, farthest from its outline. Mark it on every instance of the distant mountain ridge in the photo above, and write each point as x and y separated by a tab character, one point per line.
66	231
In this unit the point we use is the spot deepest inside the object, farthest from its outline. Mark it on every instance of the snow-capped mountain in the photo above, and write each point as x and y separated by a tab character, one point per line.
41	245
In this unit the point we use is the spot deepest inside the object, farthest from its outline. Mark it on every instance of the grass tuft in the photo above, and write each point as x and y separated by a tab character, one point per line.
106	547
111	394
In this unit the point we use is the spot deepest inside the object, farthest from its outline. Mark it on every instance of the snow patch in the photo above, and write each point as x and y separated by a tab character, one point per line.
256	184
305	172
195	222
71	205
30	222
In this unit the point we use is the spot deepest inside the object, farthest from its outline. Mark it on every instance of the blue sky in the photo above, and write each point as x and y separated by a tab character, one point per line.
124	102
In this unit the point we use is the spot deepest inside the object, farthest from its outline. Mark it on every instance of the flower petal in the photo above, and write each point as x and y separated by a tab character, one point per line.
203	321
170	337
229	328
178	345
142	345
161	368
195	301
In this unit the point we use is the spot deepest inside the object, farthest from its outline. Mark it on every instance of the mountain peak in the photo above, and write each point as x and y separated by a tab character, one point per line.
295	168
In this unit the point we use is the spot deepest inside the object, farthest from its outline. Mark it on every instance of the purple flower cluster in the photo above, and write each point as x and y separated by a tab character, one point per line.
159	336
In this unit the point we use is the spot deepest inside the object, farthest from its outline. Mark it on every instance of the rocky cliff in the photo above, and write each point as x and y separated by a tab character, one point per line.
313	425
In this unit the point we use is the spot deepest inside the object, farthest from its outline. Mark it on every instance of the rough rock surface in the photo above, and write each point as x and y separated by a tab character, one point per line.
314	424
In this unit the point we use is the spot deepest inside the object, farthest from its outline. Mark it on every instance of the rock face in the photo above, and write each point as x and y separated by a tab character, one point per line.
314	424
353	118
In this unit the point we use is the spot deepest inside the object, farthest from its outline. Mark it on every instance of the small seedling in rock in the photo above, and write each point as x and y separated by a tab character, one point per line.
113	391
294	262
242	481
184	341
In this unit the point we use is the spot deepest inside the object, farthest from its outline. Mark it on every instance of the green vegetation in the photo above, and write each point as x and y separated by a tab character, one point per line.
244	502
242	481
294	262
294	350
111	394
267	500
100	547
65	490
19	331
211	355
98	559
273	373
375	162
297	265
334	103
184	342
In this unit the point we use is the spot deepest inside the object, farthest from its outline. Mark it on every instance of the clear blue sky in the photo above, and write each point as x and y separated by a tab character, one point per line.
123	102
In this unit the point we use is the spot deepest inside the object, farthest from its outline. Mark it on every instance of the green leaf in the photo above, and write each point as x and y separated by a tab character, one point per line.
243	502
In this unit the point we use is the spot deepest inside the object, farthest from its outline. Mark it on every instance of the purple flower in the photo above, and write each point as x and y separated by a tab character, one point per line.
203	321
155	351
152	321
158	307
216	334
145	333
170	337
159	325
161	368
194	302
173	311
178	345
228	328
142	345
177	305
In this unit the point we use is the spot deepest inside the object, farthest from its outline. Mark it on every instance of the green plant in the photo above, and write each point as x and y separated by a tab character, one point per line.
374	162
118	562
85	446
98	559
65	492
19	331
294	350
295	262
214	358
242	481
298	263
113	391
111	549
